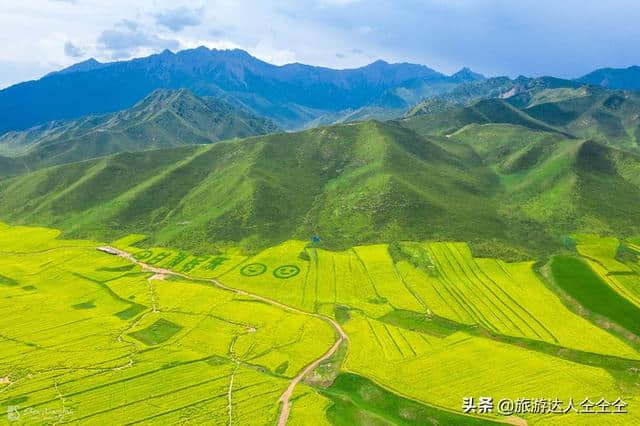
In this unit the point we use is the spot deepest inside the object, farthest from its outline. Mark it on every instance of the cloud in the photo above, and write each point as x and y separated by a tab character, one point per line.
217	32
129	24
179	18
495	37
123	43
72	50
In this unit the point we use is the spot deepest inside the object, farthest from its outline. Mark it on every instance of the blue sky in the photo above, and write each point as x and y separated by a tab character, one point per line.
565	38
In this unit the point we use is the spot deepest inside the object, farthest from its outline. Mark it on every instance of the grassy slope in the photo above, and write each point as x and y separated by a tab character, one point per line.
583	284
605	116
11	167
564	183
163	119
429	119
359	401
350	184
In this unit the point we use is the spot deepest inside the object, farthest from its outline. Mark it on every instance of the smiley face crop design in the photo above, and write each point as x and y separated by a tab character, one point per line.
286	271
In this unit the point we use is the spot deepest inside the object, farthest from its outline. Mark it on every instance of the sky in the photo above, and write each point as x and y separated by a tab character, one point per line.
563	38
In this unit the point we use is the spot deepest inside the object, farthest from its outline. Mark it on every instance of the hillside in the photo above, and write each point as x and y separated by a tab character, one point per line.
565	184
517	91
11	167
292	94
163	119
349	184
614	78
438	117
610	117
346	183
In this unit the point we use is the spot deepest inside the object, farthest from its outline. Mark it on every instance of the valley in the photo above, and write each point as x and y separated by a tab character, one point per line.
228	340
203	237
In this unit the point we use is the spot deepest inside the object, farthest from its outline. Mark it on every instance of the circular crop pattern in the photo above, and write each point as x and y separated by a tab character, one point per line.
142	255
286	271
253	269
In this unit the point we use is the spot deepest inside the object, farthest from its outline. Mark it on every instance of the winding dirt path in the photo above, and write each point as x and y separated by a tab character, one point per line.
285	398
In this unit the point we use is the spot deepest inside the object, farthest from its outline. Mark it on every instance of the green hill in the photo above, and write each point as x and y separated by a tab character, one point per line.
346	183
611	117
164	119
437	117
520	189
11	167
560	182
606	116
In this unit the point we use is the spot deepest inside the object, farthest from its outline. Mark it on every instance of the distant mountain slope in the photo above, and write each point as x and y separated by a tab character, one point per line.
570	108
88	65
466	75
350	184
436	117
614	78
611	117
518	91
11	167
163	119
292	94
563	183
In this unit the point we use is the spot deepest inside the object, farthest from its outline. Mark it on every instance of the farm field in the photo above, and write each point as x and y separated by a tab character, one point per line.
504	298
443	371
99	340
604	278
605	256
159	335
427	226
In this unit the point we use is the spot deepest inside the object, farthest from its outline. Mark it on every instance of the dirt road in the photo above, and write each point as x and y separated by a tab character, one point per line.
285	398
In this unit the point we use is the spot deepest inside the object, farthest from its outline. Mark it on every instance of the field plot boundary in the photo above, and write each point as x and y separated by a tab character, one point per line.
285	399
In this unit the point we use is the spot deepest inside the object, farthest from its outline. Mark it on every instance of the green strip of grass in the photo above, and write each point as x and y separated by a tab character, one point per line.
434	325
442	327
580	282
9	282
158	332
359	401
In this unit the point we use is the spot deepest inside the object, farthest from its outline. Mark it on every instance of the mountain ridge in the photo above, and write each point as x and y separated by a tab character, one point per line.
165	118
351	184
291	94
614	78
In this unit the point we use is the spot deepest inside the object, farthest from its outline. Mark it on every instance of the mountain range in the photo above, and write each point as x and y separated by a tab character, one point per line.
509	165
608	116
614	78
293	95
165	118
509	189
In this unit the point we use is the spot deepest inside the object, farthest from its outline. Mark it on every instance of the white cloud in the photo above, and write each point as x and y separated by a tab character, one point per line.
125	43
179	18
72	50
493	36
